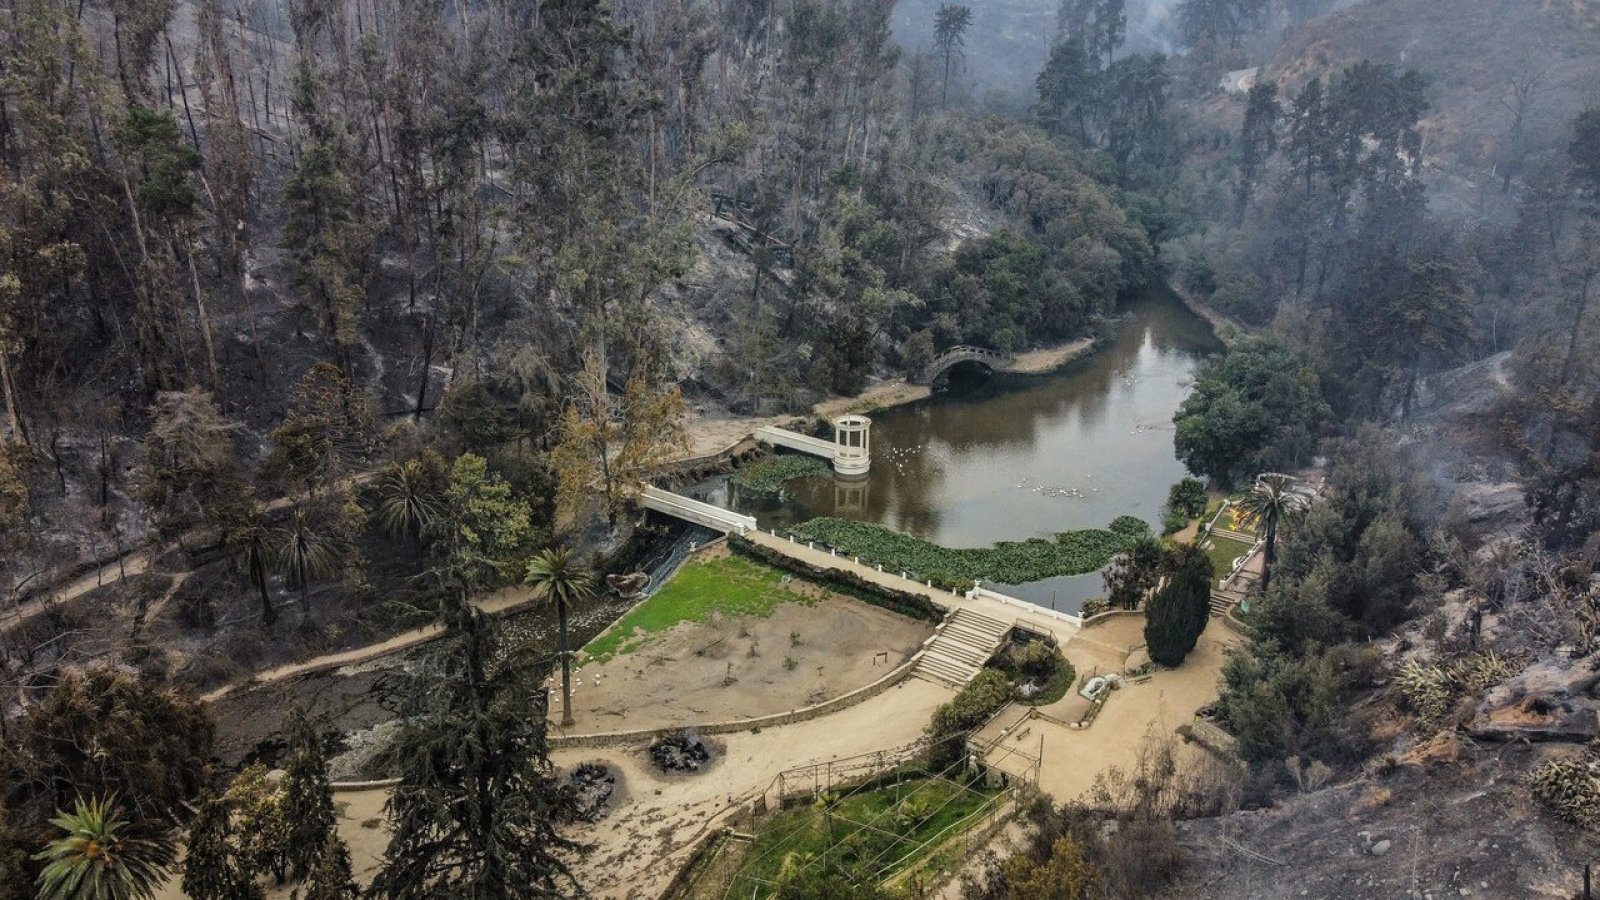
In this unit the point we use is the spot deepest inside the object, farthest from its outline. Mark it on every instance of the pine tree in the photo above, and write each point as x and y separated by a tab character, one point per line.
214	866
307	797
1177	614
475	812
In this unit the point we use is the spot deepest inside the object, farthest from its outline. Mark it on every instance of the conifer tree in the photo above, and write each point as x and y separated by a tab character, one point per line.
214	868
1177	614
332	879
475	812
307	796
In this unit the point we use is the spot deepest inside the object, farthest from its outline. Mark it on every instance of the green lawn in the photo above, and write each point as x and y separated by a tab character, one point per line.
1223	551
873	833
730	585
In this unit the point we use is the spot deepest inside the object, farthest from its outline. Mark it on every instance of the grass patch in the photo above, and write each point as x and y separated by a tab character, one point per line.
729	585
873	834
767	476
1009	562
1223	551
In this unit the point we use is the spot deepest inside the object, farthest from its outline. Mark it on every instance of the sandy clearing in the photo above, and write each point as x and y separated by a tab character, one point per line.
738	667
1072	758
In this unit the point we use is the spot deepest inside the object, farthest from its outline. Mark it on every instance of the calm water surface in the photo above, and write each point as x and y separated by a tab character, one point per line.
1015	459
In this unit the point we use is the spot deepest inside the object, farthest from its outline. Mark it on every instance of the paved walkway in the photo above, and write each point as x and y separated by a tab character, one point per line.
1033	617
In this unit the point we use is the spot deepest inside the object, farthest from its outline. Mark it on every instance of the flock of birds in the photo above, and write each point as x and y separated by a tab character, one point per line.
1045	490
900	457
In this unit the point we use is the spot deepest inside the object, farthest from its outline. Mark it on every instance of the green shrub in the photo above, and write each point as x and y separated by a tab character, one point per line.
983	696
1185	501
1131	527
1036	659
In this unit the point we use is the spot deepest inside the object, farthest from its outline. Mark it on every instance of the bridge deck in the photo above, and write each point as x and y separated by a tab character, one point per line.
690	510
794	440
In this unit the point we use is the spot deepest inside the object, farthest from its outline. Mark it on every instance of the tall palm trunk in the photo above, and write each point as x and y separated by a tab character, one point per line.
258	574
305	590
566	664
1269	553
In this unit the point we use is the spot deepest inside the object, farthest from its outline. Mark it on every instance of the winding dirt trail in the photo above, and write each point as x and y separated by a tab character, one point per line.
500	602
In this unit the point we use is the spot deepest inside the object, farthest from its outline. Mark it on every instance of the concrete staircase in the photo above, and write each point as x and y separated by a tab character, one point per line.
960	646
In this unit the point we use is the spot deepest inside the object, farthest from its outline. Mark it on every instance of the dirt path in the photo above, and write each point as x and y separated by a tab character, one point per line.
502	601
134	562
1048	359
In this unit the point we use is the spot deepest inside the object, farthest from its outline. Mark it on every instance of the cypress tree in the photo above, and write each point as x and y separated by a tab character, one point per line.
1177	614
307	797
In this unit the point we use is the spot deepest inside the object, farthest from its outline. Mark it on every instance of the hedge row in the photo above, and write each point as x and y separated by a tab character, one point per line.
905	603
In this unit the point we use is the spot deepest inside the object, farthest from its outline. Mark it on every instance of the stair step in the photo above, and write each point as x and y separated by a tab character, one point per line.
956	676
979	619
938	679
972	634
968	628
976	642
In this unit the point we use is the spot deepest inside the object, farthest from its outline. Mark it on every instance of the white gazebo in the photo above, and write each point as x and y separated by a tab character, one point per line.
852	454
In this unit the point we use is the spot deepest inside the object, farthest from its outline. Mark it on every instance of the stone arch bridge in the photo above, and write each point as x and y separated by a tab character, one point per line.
993	360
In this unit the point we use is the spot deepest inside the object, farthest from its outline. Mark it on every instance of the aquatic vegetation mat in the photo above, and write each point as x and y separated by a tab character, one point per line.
726	585
769	475
1008	562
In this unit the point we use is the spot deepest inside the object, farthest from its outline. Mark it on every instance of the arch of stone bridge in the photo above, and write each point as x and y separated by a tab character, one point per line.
993	359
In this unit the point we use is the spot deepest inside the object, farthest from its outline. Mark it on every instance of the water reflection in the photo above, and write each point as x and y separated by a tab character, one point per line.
1009	461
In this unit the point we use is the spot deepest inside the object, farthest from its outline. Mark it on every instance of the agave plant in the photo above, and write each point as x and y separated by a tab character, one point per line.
101	856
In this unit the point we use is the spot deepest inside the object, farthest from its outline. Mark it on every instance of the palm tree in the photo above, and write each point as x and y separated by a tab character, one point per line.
251	552
408	499
304	553
100	858
558	579
1270	503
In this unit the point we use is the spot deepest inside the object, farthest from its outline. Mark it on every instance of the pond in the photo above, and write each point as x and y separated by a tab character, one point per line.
1021	457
